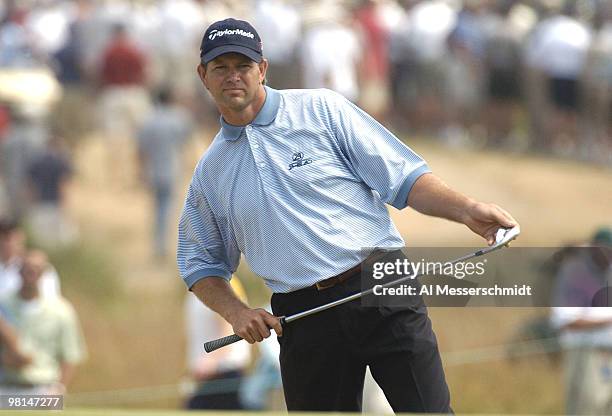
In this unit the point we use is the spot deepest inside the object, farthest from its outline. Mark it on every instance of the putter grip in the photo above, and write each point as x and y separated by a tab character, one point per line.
213	345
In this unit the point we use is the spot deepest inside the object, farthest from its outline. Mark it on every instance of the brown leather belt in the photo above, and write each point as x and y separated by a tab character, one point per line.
340	278
346	275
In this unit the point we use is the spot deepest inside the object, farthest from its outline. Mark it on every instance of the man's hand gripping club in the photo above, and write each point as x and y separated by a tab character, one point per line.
253	325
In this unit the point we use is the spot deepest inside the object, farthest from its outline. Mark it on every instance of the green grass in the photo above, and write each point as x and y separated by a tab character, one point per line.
89	270
123	412
104	412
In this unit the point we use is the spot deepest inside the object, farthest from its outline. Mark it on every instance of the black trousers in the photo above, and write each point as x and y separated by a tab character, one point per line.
324	356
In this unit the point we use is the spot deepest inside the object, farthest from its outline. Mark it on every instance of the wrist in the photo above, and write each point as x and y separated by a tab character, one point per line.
464	215
232	313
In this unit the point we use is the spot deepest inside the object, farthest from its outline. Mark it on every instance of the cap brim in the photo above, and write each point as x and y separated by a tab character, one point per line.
221	50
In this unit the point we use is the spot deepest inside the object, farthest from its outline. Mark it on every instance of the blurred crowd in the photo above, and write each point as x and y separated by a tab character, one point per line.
520	75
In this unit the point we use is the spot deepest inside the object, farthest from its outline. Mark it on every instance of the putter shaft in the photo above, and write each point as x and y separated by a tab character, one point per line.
503	238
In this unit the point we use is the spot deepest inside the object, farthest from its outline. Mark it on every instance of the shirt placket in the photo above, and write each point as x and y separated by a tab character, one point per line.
256	149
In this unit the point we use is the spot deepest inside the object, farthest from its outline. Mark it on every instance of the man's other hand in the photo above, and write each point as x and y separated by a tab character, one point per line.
485	219
253	325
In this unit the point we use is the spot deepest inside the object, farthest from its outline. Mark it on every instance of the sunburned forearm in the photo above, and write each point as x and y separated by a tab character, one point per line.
431	196
217	294
251	324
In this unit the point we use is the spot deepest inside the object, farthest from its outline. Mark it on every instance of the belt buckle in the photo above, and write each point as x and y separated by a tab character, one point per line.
322	286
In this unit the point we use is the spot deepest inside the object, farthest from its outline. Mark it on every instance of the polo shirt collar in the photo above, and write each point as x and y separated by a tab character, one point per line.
266	115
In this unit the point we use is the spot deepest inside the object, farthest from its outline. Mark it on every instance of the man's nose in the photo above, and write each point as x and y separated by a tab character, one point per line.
234	75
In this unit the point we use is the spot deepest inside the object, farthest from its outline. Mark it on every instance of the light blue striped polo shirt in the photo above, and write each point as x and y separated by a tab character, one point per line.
299	191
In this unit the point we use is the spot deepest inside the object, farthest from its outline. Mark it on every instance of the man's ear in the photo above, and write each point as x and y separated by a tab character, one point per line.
263	68
202	74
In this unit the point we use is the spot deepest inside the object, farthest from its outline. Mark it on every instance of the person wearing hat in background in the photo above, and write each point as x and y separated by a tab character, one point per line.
586	331
297	181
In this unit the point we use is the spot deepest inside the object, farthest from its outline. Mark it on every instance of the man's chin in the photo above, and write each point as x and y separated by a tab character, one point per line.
234	94
236	103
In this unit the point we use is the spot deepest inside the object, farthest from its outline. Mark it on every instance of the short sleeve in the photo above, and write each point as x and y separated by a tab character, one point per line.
72	342
201	252
380	159
49	283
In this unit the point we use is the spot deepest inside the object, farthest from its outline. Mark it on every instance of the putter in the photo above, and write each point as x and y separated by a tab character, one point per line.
502	238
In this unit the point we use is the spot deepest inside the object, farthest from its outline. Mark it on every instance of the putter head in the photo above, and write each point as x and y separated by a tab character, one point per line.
505	235
502	238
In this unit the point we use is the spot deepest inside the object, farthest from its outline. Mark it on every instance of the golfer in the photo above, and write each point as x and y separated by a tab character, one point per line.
298	182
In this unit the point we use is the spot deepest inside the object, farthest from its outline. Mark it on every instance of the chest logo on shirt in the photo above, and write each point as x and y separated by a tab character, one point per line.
298	160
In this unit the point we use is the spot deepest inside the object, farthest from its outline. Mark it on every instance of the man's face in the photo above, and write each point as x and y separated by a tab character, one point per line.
233	80
32	269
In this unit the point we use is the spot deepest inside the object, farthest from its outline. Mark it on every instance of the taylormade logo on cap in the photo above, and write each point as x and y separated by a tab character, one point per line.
230	36
217	33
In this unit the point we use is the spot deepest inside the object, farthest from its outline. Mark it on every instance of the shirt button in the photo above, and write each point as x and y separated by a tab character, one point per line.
262	165
249	128
255	146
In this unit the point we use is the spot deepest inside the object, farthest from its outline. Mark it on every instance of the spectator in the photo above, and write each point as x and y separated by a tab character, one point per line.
124	100
330	52
25	137
47	331
49	174
12	250
503	73
5	121
47	24
72	115
123	64
556	54
417	51
160	139
374	66
279	19
586	335
466	43
181	21
598	90
219	374
16	45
